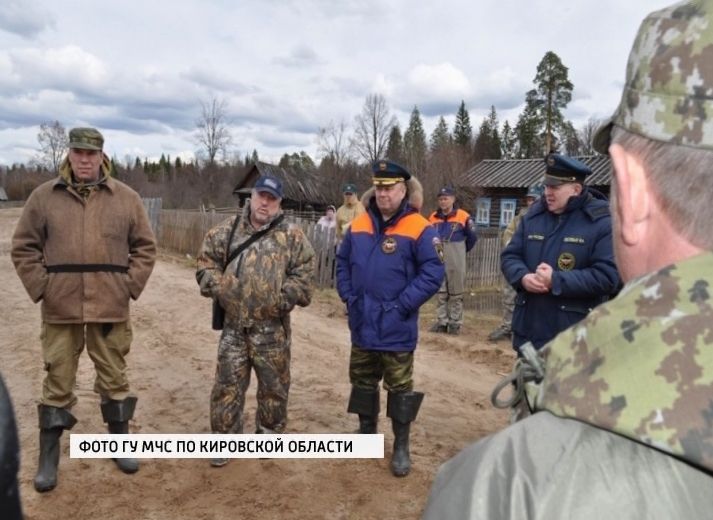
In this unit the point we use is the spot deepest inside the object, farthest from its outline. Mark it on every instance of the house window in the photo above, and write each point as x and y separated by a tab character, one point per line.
507	211
482	212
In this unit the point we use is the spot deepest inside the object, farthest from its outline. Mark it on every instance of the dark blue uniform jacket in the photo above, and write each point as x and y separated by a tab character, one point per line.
385	272
578	246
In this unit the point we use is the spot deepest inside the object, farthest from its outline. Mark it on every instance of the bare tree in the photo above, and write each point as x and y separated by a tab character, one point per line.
372	128
212	131
586	136
332	142
53	145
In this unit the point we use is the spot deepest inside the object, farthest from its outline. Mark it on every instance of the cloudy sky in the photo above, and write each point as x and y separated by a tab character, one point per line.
139	70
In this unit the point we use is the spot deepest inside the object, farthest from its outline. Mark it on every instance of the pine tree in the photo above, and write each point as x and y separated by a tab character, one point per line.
494	151
529	130
395	147
440	138
415	143
508	141
462	131
552	93
487	142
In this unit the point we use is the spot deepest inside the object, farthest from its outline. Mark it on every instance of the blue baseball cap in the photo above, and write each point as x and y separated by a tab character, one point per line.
269	184
447	191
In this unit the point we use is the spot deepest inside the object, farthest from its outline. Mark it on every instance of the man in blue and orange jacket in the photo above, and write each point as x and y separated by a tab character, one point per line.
389	263
456	229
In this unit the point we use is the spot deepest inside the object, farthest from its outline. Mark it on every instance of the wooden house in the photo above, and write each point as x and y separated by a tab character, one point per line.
494	190
301	188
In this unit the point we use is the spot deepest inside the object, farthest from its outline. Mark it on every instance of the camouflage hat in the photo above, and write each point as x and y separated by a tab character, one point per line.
669	79
86	139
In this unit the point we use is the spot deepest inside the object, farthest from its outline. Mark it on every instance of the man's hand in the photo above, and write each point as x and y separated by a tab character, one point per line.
544	274
532	283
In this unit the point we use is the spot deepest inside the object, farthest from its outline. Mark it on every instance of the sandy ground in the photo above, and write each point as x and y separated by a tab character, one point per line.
171	369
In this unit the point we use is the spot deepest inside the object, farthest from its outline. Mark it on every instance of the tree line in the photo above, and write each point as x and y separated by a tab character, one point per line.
346	150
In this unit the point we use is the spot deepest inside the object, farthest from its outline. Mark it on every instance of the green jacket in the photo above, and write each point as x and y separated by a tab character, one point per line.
623	425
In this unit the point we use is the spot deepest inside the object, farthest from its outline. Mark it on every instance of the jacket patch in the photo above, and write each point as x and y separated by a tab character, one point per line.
389	245
573	240
535	237
566	261
438	246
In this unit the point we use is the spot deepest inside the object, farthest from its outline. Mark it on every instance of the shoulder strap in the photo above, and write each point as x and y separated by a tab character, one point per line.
230	240
253	238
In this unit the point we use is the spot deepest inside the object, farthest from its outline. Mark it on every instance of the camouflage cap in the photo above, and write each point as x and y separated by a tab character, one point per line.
86	139
668	93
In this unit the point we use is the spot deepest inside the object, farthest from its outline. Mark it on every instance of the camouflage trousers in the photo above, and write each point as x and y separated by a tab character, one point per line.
264	347
508	295
368	367
450	308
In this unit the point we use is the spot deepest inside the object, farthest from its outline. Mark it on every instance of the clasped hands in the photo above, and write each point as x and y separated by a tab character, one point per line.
540	281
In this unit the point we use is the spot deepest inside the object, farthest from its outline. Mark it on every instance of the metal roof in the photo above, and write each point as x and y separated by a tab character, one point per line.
298	185
521	173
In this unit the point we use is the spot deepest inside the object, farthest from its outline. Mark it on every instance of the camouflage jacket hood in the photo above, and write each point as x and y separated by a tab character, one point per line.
641	365
266	280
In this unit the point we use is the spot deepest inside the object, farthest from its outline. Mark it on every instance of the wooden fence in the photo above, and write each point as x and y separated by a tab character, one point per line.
183	231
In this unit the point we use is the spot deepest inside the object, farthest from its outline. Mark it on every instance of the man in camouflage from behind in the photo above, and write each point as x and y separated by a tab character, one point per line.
258	289
624	425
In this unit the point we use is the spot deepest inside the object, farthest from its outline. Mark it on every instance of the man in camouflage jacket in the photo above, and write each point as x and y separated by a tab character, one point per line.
623	425
257	289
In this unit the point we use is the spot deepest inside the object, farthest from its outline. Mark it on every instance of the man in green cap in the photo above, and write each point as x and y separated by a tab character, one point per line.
622	425
84	247
348	211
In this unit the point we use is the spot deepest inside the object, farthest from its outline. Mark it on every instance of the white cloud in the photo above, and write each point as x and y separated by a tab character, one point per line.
288	67
439	81
68	67
25	18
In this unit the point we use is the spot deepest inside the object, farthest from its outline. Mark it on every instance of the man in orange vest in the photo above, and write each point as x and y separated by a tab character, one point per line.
456	229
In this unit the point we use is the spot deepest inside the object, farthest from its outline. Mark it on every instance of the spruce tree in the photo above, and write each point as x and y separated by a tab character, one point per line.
395	146
462	131
440	138
415	143
508	141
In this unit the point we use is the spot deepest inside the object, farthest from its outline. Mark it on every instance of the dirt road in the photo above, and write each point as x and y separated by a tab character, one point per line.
171	369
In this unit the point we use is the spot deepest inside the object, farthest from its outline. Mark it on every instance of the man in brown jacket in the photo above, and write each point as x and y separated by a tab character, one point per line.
83	246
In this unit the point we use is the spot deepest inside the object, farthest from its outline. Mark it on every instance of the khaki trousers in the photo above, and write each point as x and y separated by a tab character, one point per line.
107	345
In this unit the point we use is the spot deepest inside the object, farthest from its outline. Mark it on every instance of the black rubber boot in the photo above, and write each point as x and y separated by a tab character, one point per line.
53	421
402	408
366	404
117	414
46	478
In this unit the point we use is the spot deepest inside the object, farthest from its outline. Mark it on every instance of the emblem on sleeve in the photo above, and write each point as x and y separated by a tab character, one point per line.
388	246
438	246
566	262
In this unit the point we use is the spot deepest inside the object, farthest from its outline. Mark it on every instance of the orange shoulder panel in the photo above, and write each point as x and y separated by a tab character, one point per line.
461	217
362	224
432	219
410	226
